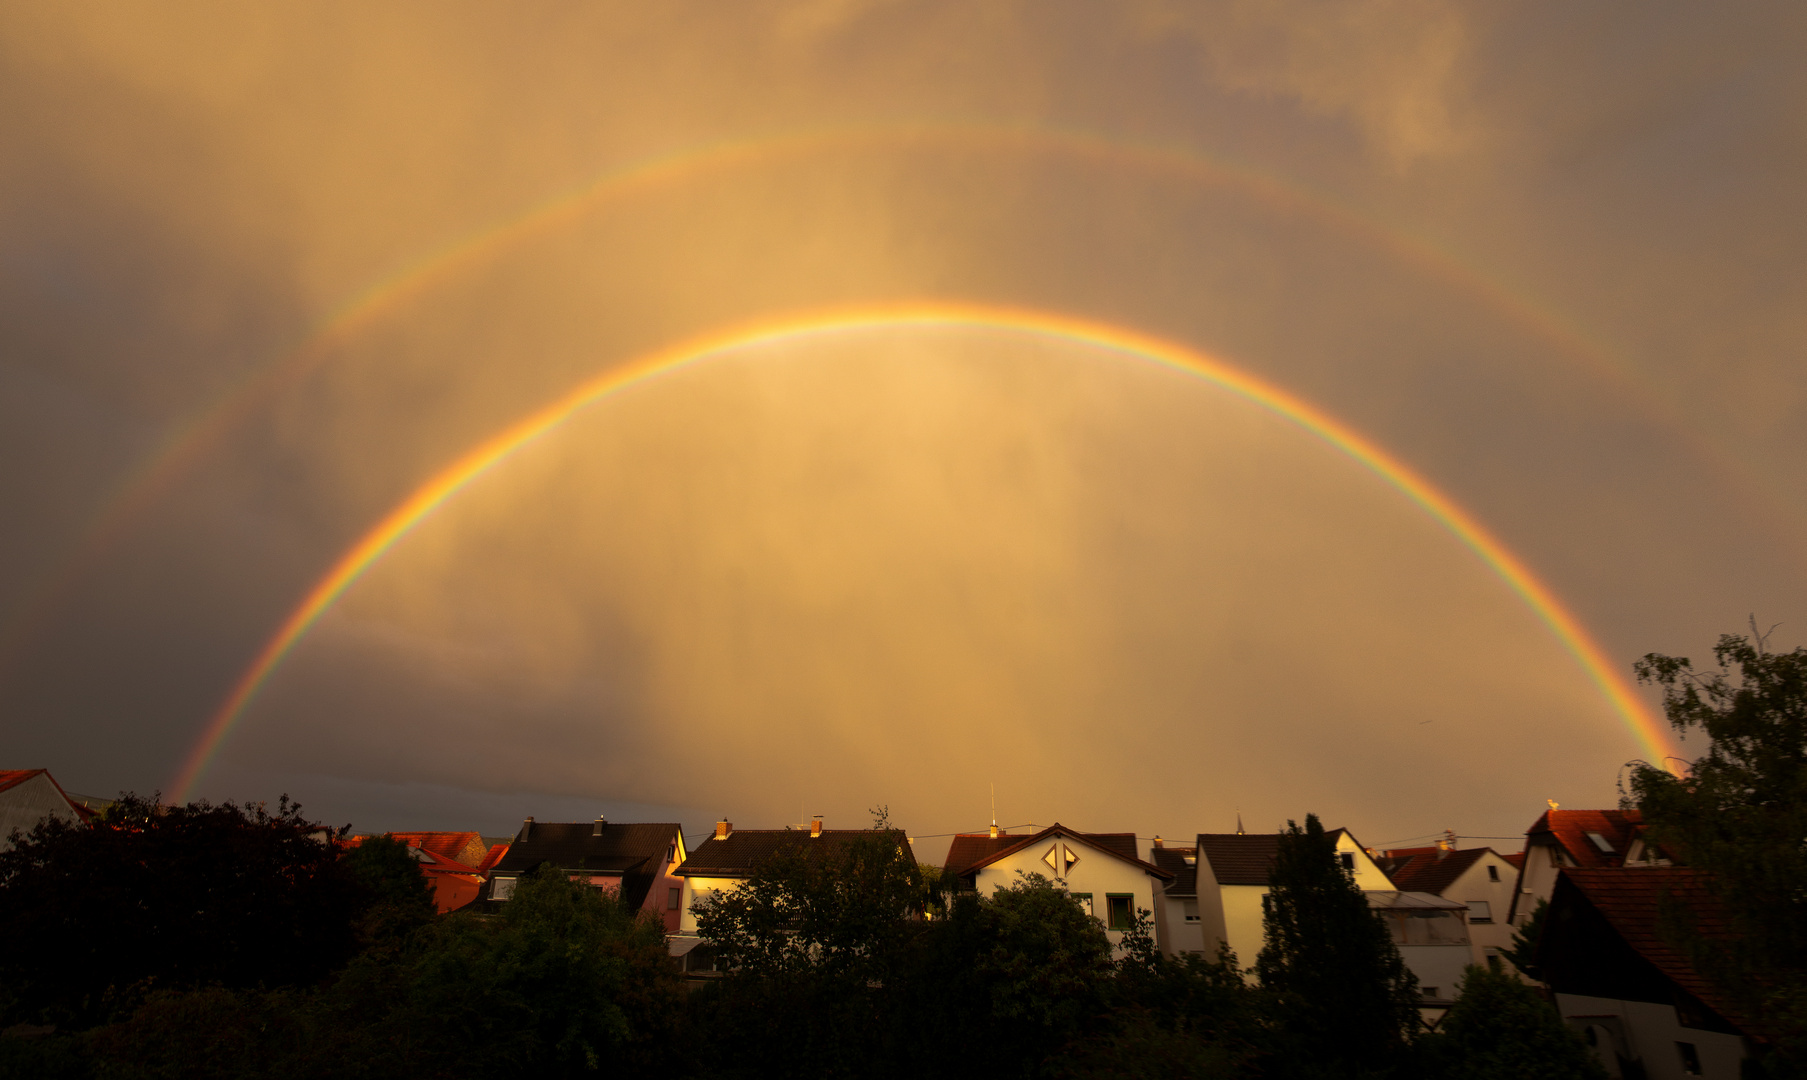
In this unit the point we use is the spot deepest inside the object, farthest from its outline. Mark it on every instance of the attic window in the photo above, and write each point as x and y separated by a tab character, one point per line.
1348	860
1602	843
1493	873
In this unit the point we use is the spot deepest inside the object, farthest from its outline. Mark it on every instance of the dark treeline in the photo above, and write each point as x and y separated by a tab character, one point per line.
219	941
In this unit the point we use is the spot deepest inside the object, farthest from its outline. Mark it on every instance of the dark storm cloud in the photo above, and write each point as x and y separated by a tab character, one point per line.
897	568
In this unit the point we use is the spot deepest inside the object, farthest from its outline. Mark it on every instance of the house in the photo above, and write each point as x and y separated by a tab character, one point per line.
454	885
1179	924
1481	879
1107	873
1430	931
1635	998
467	848
1584	839
726	859
633	861
28	796
1232	876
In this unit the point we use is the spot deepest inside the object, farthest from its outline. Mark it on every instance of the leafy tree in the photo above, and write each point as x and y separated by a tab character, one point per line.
1179	1015
169	896
1738	814
1347	999
397	898
1502	1029
1523	952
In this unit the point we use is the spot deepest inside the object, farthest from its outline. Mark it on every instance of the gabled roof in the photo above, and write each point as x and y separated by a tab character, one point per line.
743	850
1185	874
13	777
1572	828
1239	858
1120	845
492	857
1427	872
971	848
463	847
580	845
1246	858
1628	899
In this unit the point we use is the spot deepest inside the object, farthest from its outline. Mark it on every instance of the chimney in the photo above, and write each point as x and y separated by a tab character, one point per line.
526	830
724	829
596	828
994	830
815	826
1157	843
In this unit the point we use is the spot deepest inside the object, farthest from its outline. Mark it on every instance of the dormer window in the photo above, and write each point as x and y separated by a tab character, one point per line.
1602	843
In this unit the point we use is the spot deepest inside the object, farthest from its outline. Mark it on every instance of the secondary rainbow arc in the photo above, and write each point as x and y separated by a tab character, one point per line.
136	492
420	504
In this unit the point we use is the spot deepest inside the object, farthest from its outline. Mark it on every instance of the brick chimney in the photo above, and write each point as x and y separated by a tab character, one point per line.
1157	843
724	829
526	830
596	828
815	826
994	830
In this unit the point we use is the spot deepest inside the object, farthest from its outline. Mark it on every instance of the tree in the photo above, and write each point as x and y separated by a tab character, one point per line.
1523	952
397	898
1501	1029
1348	1000
169	896
1738	815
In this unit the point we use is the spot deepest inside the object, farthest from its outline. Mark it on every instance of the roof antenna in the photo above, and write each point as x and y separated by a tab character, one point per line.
1239	821
994	810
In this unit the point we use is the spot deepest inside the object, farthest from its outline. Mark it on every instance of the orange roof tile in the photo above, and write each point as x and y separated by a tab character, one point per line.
1571	829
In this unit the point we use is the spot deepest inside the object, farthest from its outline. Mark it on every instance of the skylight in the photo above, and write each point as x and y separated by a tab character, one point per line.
1601	842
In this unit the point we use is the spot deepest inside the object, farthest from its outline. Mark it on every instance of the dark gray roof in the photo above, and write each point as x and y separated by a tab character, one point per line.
745	849
632	850
1185	875
1244	858
1122	845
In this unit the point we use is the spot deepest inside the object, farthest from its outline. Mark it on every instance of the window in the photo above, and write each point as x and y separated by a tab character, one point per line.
1493	873
672	898
1348	860
1122	914
501	888
1479	911
1428	991
1191	909
1690	1058
1601	842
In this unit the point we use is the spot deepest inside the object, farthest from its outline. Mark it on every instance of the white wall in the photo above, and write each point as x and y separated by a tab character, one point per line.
1650	1033
1475	884
1097	872
28	802
1236	916
700	888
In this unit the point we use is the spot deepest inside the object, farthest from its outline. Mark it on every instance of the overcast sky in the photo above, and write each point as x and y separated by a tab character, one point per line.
266	269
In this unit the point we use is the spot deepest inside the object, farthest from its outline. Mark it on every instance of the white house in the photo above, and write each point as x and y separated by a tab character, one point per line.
1179	920
1232	878
725	860
1480	879
1108	873
1579	839
28	796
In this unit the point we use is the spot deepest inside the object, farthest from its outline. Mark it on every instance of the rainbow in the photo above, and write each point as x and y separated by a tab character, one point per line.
411	511
139	490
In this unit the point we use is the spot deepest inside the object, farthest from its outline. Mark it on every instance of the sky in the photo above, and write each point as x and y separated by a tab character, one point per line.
1029	404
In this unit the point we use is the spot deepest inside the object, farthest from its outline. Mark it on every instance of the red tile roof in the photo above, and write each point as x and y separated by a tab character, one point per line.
971	848
1428	873
1570	828
1517	859
463	847
492	857
1628	899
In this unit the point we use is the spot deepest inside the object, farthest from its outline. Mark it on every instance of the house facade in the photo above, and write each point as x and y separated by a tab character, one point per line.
28	796
1179	920
1110	874
634	861
1635	998
725	860
1575	839
1232	873
1481	879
